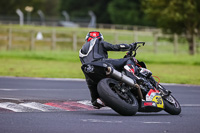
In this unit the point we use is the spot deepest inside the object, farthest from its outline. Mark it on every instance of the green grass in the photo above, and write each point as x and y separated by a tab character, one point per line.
162	58
63	63
40	68
170	68
71	56
182	74
68	56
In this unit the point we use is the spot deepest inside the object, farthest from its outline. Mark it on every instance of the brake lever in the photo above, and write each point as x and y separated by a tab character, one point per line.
137	48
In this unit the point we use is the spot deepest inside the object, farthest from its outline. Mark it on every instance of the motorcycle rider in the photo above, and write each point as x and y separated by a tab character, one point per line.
95	49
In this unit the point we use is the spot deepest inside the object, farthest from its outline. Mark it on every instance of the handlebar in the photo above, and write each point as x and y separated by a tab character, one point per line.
143	43
135	47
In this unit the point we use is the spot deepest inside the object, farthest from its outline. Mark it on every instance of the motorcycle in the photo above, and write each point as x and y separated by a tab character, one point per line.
121	93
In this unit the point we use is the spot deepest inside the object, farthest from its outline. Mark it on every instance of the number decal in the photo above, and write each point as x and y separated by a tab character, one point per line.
158	100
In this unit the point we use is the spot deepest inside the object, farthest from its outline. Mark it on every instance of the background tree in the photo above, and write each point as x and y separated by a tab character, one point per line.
80	8
127	12
176	16
8	7
107	11
49	7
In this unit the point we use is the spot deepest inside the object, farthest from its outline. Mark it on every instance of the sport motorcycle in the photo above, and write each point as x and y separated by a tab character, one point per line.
123	94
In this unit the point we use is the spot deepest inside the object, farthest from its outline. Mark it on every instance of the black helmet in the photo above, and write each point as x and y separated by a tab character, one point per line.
93	34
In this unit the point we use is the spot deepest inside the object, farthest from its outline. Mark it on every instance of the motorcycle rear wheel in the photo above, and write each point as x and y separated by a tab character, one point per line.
123	103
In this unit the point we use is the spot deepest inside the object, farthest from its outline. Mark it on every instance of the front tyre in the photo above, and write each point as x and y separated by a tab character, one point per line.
171	105
123	103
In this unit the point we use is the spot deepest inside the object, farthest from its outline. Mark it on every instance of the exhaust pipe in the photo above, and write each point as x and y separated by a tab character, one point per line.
119	76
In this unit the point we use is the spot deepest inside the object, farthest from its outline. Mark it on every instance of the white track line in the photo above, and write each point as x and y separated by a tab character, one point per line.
38	107
156	122
32	89
190	105
37	78
82	80
87	102
17	108
42	107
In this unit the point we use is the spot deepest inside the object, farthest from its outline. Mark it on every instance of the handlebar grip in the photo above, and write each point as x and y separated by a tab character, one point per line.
143	43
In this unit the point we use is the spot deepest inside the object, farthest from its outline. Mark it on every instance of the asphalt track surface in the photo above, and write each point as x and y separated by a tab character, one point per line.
59	93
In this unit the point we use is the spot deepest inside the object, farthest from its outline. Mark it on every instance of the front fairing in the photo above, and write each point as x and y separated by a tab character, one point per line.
142	64
153	102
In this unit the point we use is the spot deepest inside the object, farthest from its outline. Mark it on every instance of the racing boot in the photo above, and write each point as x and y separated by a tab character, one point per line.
97	104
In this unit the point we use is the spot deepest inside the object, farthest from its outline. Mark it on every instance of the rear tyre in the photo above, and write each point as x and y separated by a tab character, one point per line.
123	103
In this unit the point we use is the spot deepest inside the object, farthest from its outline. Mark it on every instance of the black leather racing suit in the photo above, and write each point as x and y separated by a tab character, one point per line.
96	50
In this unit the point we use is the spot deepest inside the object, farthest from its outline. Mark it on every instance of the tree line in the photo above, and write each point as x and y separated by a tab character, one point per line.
173	16
107	11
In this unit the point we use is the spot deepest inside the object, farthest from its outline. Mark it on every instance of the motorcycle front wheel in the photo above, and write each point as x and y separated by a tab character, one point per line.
122	102
172	106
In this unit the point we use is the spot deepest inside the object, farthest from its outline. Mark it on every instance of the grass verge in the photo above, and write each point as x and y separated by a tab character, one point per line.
182	69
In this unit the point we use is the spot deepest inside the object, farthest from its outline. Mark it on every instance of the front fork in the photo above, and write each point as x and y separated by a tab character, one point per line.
160	88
